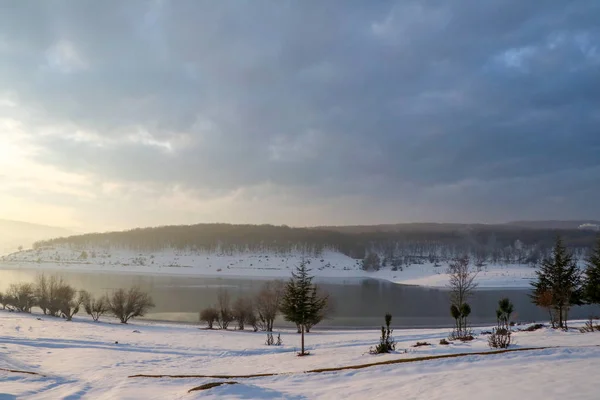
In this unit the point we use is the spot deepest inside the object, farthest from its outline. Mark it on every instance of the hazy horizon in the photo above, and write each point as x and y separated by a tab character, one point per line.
116	115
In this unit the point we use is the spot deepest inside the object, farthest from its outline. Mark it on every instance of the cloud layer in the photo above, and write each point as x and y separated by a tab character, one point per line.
299	112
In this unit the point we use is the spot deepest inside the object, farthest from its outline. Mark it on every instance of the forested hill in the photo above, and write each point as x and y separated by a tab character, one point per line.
432	241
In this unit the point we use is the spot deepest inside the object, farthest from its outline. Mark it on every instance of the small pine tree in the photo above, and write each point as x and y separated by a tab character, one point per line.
503	313
386	341
301	303
500	337
559	276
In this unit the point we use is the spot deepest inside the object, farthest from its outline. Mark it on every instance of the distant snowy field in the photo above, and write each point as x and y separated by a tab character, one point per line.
81	359
175	262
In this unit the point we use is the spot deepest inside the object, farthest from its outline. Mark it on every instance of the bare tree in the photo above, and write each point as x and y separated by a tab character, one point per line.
21	296
243	312
70	302
41	292
47	293
53	291
95	307
461	284
267	303
209	315
127	304
224	308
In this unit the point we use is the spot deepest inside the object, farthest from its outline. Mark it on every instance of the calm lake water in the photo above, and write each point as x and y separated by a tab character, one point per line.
359	303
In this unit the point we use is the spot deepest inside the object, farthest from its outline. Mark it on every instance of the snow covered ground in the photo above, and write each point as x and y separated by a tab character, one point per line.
82	359
177	262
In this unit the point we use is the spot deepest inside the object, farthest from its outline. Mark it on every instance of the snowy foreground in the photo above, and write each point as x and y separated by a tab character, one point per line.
81	359
176	262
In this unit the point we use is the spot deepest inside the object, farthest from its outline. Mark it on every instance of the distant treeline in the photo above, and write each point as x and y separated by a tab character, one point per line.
435	242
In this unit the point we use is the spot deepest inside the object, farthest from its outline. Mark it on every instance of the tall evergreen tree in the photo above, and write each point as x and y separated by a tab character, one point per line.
592	281
301	303
560	276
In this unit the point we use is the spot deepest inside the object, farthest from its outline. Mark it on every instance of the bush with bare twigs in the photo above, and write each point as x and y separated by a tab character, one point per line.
21	297
127	304
209	315
267	303
271	340
225	316
95	306
243	313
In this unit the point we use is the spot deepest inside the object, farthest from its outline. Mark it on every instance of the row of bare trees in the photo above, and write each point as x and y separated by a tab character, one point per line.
258	312
56	298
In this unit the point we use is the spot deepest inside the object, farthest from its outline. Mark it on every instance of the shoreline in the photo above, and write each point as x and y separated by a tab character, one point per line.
202	273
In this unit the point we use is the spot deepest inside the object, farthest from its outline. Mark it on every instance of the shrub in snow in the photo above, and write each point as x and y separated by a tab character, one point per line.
386	341
500	338
461	330
95	307
272	342
421	344
589	326
533	327
444	342
209	316
127	304
21	296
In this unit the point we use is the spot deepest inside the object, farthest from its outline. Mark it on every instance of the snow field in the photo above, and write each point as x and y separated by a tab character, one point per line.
80	359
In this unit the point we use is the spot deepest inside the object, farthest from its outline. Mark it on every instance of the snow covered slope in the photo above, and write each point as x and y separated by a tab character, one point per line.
330	264
83	359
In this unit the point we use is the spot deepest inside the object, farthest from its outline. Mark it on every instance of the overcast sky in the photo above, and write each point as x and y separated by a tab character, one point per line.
128	113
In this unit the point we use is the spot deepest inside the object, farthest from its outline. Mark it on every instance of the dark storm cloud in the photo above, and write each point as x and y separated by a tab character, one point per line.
376	99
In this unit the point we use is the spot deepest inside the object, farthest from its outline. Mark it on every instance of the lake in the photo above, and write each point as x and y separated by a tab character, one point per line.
359	303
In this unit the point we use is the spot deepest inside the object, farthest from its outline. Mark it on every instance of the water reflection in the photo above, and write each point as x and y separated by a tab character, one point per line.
358	302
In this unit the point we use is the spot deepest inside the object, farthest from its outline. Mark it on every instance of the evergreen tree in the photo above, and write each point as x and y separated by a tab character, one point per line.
301	303
560	276
592	281
503	313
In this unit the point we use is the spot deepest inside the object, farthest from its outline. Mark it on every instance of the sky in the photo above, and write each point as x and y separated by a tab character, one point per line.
122	114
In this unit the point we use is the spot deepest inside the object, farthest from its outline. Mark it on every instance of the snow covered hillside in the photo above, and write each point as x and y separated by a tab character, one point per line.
330	264
83	359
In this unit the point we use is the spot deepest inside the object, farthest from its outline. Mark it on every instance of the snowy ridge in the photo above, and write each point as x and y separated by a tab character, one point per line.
329	264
